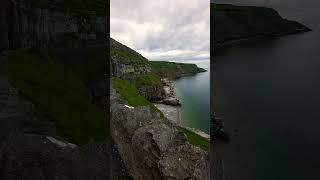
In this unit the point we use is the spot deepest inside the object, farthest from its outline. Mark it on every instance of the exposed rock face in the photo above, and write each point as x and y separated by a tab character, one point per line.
31	156
233	23
152	147
152	93
129	65
125	67
170	97
127	71
25	25
30	148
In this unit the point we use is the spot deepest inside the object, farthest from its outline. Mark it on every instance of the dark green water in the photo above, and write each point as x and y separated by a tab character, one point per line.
194	95
268	94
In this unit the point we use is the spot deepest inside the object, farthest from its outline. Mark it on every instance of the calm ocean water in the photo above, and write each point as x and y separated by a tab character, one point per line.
194	95
268	94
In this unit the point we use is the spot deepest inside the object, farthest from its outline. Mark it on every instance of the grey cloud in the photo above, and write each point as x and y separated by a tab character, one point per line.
157	27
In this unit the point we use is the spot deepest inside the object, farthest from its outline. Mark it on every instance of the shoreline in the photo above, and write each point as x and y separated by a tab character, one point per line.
173	111
256	37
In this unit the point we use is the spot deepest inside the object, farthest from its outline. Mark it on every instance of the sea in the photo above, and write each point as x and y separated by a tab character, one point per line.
268	95
194	95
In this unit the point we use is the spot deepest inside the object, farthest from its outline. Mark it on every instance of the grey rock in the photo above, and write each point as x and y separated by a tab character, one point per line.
152	147
31	156
152	93
24	25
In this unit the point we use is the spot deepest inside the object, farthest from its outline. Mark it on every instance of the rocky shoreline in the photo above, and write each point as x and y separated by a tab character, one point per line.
170	97
171	108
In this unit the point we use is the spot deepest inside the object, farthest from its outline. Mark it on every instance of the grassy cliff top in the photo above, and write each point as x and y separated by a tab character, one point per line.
129	92
148	80
59	95
172	70
127	57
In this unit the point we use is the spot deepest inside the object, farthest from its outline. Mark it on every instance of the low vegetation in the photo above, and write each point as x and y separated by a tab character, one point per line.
58	95
129	57
195	139
173	70
129	92
148	80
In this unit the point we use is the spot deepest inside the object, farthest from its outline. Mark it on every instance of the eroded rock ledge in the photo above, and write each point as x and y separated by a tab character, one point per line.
153	147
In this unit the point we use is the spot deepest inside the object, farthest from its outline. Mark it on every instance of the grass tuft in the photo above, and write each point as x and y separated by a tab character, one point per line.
58	95
130	93
195	139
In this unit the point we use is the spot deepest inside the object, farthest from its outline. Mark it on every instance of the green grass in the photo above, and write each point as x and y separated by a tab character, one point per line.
58	95
196	139
172	69
95	68
129	57
130	93
148	80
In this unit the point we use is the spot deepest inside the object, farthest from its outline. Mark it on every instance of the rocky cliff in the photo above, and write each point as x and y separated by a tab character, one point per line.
53	93
233	23
146	75
46	23
152	147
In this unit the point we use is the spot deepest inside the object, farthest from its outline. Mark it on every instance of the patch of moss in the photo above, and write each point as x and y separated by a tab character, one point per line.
195	139
148	80
129	57
59	95
94	69
130	93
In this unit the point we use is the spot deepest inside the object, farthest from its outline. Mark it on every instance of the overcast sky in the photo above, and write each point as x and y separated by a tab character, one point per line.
163	29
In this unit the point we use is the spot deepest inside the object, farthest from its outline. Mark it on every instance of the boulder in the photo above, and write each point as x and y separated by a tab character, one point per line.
152	147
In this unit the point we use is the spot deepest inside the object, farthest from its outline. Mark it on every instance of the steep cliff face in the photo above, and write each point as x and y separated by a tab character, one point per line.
48	24
127	63
146	75
33	144
232	23
153	147
150	145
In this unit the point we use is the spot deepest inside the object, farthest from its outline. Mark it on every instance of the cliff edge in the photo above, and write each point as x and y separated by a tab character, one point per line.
233	23
151	146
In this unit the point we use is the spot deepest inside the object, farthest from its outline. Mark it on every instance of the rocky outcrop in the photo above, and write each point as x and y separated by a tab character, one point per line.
152	147
235	23
130	65
170	97
31	149
152	93
32	156
30	23
127	63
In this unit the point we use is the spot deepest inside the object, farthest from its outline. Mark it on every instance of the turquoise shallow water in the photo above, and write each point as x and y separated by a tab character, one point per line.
194	95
